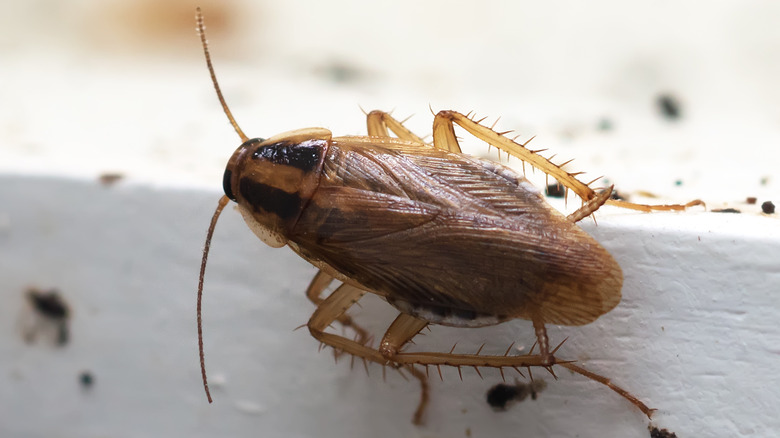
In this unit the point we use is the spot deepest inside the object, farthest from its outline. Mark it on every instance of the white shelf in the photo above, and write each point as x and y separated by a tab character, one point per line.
695	335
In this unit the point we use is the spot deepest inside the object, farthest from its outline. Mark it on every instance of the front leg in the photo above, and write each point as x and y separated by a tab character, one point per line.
333	308
318	284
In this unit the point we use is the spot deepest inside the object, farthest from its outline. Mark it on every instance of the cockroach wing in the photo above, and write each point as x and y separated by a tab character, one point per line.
453	239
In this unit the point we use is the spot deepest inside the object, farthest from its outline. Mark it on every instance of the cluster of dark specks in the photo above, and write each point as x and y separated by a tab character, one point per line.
52	308
661	433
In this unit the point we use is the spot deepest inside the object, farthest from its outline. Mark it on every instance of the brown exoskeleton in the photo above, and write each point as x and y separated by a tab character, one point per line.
444	237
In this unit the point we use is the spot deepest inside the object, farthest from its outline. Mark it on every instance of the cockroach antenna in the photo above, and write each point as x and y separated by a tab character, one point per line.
222	203
202	33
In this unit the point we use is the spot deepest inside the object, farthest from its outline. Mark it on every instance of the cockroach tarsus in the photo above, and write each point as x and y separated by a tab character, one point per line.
402	218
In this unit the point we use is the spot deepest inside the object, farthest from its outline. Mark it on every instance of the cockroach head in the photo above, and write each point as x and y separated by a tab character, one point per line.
272	179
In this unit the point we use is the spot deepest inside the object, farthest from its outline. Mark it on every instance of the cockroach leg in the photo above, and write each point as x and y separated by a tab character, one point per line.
444	138
591	206
400	332
648	208
424	395
605	381
318	284
331	309
544	342
379	121
342	298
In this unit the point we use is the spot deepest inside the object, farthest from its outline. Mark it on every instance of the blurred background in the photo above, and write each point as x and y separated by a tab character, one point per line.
90	87
113	145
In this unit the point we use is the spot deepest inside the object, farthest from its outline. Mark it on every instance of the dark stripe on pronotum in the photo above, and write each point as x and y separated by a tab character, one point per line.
272	200
304	156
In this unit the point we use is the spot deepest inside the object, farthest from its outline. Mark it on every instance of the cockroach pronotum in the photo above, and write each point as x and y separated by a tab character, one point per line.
444	237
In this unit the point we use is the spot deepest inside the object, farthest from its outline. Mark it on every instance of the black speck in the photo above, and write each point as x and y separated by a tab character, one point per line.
86	379
661	433
109	178
48	303
342	72
555	190
768	207
725	210
501	394
617	196
669	106
52	307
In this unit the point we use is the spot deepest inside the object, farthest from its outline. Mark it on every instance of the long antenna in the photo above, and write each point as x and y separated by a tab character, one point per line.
222	203
202	33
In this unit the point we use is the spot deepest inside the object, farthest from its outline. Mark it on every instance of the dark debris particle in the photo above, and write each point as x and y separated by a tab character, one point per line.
751	200
51	306
341	72
48	303
555	190
661	433
669	106
86	379
109	179
617	196
725	210
768	207
605	124
502	395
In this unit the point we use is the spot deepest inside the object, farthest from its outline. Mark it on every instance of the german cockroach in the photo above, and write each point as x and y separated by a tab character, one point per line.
444	237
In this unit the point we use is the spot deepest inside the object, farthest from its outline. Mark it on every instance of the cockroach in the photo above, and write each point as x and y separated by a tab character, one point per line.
444	237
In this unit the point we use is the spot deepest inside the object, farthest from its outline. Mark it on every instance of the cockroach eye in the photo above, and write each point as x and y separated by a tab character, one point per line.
231	168
226	184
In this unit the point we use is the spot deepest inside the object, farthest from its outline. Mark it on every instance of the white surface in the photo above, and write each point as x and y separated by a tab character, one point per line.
85	92
695	335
